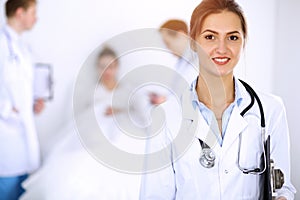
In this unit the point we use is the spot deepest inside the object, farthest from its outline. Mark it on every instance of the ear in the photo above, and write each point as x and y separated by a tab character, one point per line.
19	12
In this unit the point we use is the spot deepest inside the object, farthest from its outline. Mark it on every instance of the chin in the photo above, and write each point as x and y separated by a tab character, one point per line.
222	73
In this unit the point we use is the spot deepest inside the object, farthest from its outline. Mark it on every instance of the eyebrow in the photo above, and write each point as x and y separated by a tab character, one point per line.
208	30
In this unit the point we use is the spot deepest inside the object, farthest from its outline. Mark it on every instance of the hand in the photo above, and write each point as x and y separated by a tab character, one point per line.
108	111
156	99
38	106
15	110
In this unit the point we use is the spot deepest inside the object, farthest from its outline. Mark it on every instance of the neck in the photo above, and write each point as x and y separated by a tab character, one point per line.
15	25
216	92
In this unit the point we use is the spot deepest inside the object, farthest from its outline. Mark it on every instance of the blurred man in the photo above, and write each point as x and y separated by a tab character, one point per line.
19	148
175	35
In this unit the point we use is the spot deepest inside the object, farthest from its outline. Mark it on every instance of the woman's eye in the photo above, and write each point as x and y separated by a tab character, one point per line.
209	37
233	37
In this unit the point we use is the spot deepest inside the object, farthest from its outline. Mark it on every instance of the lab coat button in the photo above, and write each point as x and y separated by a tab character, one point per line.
226	171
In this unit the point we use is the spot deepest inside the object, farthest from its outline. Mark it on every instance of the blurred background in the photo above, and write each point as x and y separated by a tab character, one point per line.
68	31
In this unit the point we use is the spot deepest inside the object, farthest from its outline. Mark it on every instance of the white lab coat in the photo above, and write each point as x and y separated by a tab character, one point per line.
187	65
186	179
186	71
19	148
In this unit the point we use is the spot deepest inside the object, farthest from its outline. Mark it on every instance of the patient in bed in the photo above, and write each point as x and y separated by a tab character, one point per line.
70	172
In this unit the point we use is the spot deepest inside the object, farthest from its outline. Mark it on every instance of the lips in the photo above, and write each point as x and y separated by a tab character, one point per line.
221	60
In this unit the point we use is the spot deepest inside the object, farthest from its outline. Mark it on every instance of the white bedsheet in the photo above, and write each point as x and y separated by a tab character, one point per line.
71	173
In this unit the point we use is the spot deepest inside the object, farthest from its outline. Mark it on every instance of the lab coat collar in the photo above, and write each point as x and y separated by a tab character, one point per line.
12	34
244	94
235	126
236	123
198	124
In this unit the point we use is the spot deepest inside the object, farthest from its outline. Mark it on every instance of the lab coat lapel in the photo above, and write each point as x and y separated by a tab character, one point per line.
201	130
198	125
205	133
236	125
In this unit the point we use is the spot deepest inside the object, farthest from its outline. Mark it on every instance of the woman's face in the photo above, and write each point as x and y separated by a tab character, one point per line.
108	67
221	38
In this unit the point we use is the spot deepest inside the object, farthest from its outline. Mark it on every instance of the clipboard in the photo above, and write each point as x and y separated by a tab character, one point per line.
43	81
265	185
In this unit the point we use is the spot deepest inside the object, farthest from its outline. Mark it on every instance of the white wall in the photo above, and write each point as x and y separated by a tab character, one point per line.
259	54
286	74
69	30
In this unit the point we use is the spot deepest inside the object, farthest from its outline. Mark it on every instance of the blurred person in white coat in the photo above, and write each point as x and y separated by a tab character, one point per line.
175	35
219	152
19	147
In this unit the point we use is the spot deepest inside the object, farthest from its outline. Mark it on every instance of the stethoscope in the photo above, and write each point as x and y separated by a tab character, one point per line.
207	158
12	55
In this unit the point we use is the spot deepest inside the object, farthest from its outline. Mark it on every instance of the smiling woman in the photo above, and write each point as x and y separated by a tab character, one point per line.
215	103
270	25
223	42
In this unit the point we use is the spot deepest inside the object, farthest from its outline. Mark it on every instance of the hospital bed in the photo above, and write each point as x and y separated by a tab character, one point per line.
70	172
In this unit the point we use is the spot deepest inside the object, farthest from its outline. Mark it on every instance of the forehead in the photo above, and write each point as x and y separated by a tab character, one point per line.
106	59
225	21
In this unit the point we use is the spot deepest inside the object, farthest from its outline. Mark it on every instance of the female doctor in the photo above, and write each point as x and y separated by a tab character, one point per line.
216	101
19	149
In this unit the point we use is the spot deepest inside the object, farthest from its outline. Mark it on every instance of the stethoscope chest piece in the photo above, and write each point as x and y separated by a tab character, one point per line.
207	158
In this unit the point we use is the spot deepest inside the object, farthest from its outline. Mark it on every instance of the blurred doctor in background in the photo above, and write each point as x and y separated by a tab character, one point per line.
19	148
175	35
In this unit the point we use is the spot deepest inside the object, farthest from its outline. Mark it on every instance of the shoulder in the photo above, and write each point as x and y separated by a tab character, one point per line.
270	100
3	40
2	34
273	107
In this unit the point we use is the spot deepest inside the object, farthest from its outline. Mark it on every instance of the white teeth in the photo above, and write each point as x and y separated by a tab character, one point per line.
221	60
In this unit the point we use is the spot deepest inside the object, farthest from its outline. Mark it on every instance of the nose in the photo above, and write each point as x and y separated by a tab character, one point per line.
222	47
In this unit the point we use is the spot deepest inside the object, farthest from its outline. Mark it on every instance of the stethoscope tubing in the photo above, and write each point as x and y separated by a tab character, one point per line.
12	54
207	158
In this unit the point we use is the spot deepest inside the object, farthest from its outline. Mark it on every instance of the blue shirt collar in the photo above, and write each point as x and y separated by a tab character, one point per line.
195	100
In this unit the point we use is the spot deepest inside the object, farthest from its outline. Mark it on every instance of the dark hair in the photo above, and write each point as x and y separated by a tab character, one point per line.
175	25
207	7
107	51
11	6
